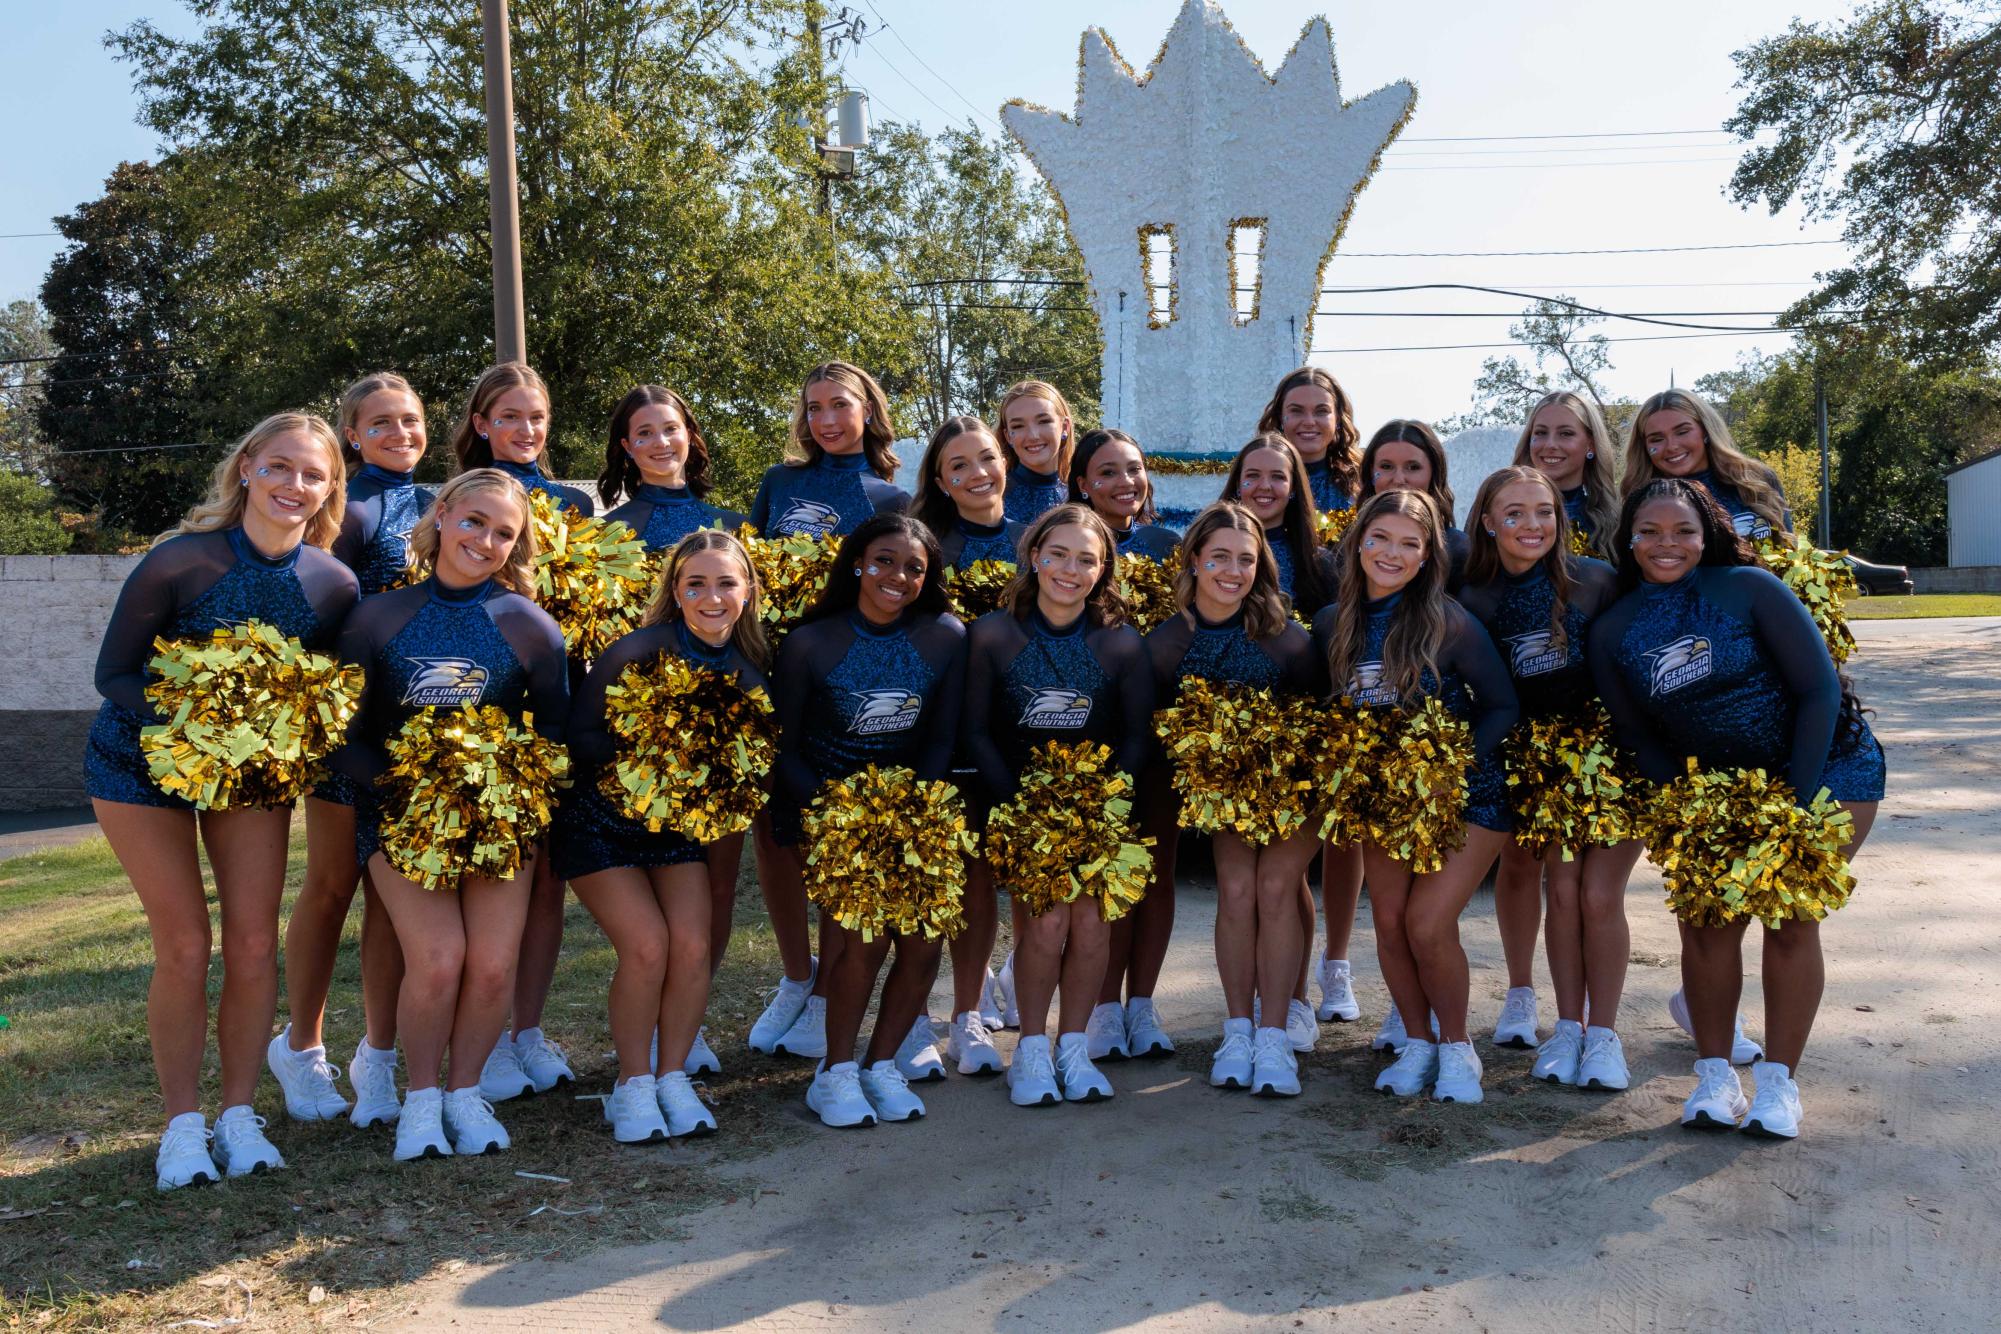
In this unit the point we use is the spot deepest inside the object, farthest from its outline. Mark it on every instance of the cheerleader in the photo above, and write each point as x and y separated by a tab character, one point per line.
1566	440
506	426
1393	637
839	464
653	893
1037	434
1710	657
468	634
1311	411
1678	434
1233	630
1407	456
1537	601
381	420
1268	478
1108	473
875	674
254	548
1057	663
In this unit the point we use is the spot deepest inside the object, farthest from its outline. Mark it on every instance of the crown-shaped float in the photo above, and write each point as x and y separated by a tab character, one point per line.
1237	184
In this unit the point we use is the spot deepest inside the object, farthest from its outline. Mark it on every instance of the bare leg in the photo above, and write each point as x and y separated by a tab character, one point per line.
1083	966
494	912
1340	894
1563	925
1389	898
973	947
1237	922
622	900
1279	946
1518	911
1608	944
312	936
1038	961
1712	979
904	993
246	850
785	903
848	983
433	936
1309	914
156	846
541	944
1795	972
683	896
1153	920
725	860
1432	923
381	969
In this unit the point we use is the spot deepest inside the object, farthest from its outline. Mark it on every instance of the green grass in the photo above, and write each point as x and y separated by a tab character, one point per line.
86	1242
1923	605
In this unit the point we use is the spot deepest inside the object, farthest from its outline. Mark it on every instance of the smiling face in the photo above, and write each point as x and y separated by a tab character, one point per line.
893	569
1226	567
835	415
1036	432
1558	443
1667	540
711	590
1522	520
389	430
1067	565
516	424
1675	442
1264	485
657	439
1115	482
1311	419
1392	552
972	472
286	483
476	533
1401	466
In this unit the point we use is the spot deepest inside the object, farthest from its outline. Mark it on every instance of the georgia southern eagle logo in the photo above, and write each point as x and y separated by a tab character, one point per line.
1366	685
445	683
1748	524
1057	707
1532	654
810	517
1675	665
886	710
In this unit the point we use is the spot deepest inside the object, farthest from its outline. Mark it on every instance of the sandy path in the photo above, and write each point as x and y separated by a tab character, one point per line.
1179	1207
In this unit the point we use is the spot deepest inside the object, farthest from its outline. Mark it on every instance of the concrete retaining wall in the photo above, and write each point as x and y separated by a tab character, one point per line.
1957	579
52	614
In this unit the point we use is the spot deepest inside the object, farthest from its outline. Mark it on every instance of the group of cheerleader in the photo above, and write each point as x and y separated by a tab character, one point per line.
320	531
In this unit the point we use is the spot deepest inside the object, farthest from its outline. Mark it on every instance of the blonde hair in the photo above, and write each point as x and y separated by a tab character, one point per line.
516	573
347	416
1601	481
1417	626
878	431
1265	612
1104	605
469	447
748	632
1756	485
1344	453
227	494
1038	389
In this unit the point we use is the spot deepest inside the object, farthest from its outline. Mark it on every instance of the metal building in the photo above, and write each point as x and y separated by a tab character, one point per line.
1973	511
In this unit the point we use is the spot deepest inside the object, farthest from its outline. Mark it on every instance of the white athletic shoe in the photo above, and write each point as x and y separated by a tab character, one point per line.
1391	1036
1337	993
1145	1038
239	1144
702	1058
1003	997
1302	1029
470	1121
502	1077
684	1109
1031	1079
808	1034
1775	1112
184	1158
1274	1067
1459	1071
1082	1081
545	1062
1413	1071
1231	1067
1106	1032
420	1130
917	1059
1517	1025
972	1045
634	1112
373	1075
1603	1065
993	1006
836	1095
1556	1060
788	998
888	1091
1743	1051
306	1079
1718	1102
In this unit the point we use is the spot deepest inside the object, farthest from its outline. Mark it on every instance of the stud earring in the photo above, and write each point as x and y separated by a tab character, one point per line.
1490	532
1590	454
243	481
858	571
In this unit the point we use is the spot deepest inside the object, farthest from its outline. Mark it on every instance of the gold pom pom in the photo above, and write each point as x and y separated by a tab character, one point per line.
1568	785
1148	588
1347	745
1735	843
1334	525
976	590
792	572
694	749
251	714
1067	833
1821	580
1580	542
592	575
466	791
1244	759
1417	787
885	852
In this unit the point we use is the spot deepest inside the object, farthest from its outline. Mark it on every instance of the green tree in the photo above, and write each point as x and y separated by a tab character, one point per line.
28	523
26	350
1564	356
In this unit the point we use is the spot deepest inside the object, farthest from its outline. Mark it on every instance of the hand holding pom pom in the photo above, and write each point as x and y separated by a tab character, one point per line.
885	852
1147	585
591	575
1821	580
1734	844
694	749
1243	759
1417	787
1570	790
467	789
977	589
1067	834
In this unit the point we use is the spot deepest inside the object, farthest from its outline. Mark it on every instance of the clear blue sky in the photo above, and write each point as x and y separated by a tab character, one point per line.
1508	70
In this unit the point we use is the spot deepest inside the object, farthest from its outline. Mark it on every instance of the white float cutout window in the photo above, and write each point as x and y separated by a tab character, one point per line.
1247	257
1157	260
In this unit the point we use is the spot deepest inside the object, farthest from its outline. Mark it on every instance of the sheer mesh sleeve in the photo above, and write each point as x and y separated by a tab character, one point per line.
357	526
1798	653
537	642
331	587
1292	650
807	654
942	643
760	507
589	740
1166	645
1630	724
991	644
169	577
369	627
1124	658
1470	654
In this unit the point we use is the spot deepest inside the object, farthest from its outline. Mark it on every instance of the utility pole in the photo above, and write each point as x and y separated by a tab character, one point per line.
1820	435
510	320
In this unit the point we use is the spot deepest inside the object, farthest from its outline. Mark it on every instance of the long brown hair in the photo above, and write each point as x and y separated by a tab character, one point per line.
347	416
748	632
1753	482
1088	445
469	447
1601	469
1483	558
878	431
1300	520
516	573
1411	432
1344	459
1265	612
621	471
1104	606
223	506
1417	626
932	506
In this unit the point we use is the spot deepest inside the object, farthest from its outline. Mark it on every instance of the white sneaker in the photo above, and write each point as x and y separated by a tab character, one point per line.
1775	1112
1517	1025
972	1045
502	1077
702	1059
836	1094
917	1059
1106	1032
1082	1081
1415	1067
1743	1051
1556	1060
1274	1067
1391	1036
306	1078
1459	1071
1232	1065
420	1130
634	1112
1603	1065
1337	993
1302	1029
1145	1038
239	1144
1031	1079
1718	1102
687	1115
184	1158
997	997
888	1091
808	1034
373	1075
545	1062
787	1000
470	1121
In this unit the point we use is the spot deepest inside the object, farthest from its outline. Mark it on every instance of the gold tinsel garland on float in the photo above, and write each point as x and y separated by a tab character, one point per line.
791	574
592	575
1567	784
1416	809
466	790
1735	843
1347	747
1822	580
694	749
1243	759
1148	588
250	714
885	852
977	589
1067	833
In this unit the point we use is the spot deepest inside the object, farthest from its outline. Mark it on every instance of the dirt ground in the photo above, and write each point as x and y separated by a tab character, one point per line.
1179	1207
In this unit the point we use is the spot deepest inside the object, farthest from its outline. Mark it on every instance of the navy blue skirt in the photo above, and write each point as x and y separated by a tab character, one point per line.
1855	767
590	836
114	769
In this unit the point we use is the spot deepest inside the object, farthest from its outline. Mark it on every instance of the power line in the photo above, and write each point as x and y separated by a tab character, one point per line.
1497	138
1624	250
16	236
1519	152
913	86
1518	342
891	30
1554	166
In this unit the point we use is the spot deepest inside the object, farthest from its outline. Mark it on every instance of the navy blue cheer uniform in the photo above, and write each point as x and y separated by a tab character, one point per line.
591	835
1724	665
1031	494
433	647
1471	682
1516	608
663	515
374	539
1224	654
1575	501
1743	518
965	542
1288	565
186	588
1145	539
851	693
1328	497
532	480
831	496
1457	548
